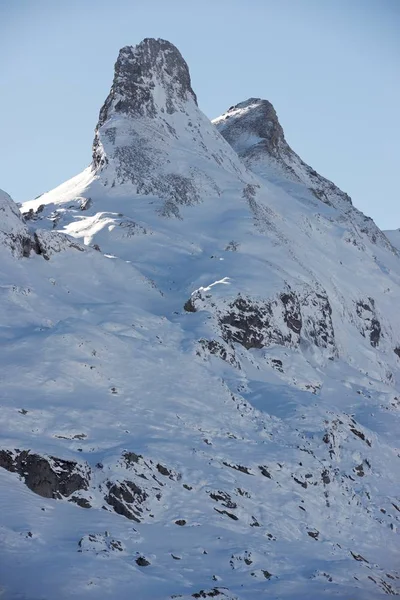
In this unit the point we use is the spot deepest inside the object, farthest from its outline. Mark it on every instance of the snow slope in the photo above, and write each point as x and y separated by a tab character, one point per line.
200	393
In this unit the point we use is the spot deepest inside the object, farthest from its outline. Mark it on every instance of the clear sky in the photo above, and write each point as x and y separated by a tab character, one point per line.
330	68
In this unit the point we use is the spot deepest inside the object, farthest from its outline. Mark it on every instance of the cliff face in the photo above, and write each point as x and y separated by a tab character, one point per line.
200	386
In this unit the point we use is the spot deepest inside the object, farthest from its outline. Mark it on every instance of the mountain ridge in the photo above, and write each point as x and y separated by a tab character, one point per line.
201	382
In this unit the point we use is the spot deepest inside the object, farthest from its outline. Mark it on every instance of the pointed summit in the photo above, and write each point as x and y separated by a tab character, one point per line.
148	78
146	124
253	130
252	123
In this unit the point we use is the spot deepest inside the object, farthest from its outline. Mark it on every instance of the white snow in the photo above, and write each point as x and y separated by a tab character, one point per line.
283	460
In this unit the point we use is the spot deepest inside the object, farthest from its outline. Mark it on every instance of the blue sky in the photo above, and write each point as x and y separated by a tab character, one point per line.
330	67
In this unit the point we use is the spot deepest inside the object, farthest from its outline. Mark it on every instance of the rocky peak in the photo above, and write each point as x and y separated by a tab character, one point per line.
253	130
249	123
146	123
148	78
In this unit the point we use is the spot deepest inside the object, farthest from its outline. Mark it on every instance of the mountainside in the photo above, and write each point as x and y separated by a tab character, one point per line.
201	350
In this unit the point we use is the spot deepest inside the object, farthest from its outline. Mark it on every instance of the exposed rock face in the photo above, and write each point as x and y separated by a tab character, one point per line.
369	322
126	498
99	544
257	118
317	321
152	109
49	477
14	234
138	71
218	348
254	325
253	130
288	319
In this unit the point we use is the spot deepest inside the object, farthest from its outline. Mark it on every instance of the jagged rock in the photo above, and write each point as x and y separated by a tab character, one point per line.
208	594
313	534
150	103
228	514
265	472
132	457
361	435
317	321
31	214
82	502
224	498
325	477
21	241
189	306
100	544
285	320
277	364
48	243
240	468
369	321
85	204
253	130
137	72
163	470
126	498
252	325
49	477
224	351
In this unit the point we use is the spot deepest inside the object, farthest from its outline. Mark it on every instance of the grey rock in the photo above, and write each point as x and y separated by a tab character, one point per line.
369	322
126	499
49	477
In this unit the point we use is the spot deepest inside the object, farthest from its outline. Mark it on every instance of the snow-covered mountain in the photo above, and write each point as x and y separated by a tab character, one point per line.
200	392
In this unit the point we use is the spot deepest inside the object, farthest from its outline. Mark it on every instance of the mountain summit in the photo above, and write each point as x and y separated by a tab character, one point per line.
200	392
149	78
253	130
150	114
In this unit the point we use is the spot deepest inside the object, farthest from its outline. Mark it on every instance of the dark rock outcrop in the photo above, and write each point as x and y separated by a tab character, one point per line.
150	111
137	71
292	317
49	477
220	349
126	498
369	322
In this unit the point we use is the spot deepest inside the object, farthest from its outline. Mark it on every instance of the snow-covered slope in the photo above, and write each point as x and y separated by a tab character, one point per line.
151	117
253	130
201	386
